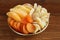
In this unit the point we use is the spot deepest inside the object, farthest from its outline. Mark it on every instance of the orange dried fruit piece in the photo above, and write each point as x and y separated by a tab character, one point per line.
24	30
14	26
30	28
18	26
29	18
11	23
24	21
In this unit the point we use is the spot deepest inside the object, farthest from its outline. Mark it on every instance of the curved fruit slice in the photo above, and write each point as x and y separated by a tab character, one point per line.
26	9
23	8
18	26
21	28
24	21
45	17
27	5
37	27
31	12
20	12
30	28
41	22
14	26
14	16
44	10
24	30
29	19
12	23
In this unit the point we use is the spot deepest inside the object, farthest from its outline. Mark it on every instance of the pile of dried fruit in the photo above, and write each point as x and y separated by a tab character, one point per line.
27	18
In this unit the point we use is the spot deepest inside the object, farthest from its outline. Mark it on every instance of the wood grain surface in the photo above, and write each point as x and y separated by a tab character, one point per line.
51	33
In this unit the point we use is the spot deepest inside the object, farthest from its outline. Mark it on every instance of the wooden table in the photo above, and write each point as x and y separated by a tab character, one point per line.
51	33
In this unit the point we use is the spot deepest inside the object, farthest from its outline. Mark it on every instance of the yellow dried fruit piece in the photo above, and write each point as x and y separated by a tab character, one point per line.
14	16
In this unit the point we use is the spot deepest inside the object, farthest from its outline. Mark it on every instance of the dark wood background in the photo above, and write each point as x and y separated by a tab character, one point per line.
51	33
